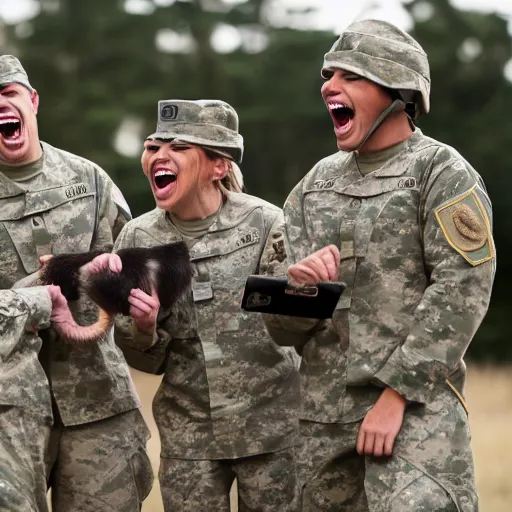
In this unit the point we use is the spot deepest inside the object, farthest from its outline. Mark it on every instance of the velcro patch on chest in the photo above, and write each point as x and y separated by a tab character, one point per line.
75	190
466	226
324	184
409	182
248	238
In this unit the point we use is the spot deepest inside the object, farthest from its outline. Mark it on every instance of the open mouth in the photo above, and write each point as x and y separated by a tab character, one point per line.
164	178
341	114
10	129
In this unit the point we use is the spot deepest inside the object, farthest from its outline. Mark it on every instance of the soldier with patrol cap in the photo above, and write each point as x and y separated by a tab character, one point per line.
228	403
54	202
405	222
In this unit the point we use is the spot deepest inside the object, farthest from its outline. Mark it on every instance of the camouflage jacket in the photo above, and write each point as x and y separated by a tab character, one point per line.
228	390
418	259
23	382
72	206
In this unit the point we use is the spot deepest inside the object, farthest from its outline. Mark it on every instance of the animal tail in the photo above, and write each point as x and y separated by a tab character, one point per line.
72	333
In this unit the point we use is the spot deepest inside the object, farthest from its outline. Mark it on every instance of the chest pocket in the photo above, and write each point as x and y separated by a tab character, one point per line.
226	260
224	329
357	208
57	220
222	262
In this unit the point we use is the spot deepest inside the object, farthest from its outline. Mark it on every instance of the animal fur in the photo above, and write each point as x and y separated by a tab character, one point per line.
166	269
64	270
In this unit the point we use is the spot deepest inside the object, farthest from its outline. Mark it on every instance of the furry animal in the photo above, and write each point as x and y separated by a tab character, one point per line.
166	269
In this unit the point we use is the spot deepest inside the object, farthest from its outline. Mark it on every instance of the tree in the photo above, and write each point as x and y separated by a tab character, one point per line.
95	65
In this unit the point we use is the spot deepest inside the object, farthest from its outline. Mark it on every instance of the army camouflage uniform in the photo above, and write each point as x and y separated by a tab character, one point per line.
227	406
25	404
64	203
418	259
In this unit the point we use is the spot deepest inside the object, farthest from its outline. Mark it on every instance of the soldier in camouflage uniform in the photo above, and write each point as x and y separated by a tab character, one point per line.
55	202
228	403
25	404
405	222
25	399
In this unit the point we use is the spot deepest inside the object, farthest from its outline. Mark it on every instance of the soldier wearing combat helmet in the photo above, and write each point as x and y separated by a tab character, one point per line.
405	222
227	406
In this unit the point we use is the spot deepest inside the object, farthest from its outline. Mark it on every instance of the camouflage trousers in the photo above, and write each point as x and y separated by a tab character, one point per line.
24	439
100	466
266	483
431	469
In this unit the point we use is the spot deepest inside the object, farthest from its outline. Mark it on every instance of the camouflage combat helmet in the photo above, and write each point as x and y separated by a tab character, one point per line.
11	71
209	123
386	55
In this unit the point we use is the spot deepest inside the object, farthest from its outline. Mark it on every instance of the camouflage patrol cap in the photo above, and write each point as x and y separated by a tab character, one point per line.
209	123
386	55
11	71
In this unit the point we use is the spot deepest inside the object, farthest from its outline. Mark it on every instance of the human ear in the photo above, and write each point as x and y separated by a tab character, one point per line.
34	99
220	169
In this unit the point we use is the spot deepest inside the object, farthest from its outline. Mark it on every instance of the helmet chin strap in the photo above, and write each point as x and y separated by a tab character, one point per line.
395	106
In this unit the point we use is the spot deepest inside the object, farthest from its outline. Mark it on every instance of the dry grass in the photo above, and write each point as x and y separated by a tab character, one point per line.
146	387
489	395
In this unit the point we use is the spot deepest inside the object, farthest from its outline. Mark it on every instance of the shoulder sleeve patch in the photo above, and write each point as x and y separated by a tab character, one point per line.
466	226
118	198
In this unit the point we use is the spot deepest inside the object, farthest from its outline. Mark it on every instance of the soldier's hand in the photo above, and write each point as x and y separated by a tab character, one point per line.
144	309
60	307
59	303
45	258
320	266
381	425
104	261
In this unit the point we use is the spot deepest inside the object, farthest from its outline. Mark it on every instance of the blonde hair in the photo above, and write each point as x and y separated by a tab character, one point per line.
234	179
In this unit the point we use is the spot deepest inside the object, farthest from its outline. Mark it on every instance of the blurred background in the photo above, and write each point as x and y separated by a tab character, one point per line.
100	67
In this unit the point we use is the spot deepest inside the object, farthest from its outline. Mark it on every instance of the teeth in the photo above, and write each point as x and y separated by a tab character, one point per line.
333	106
8	121
164	173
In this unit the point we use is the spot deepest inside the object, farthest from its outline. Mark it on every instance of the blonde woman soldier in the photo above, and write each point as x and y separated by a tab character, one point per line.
227	406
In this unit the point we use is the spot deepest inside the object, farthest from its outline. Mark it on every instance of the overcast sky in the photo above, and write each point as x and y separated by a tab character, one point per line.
331	14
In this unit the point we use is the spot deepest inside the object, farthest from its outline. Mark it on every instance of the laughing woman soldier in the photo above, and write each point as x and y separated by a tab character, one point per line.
228	402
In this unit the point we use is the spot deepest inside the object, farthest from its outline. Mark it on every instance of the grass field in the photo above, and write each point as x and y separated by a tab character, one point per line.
489	396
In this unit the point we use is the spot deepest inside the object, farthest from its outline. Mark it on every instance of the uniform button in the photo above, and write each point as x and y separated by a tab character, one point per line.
355	203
